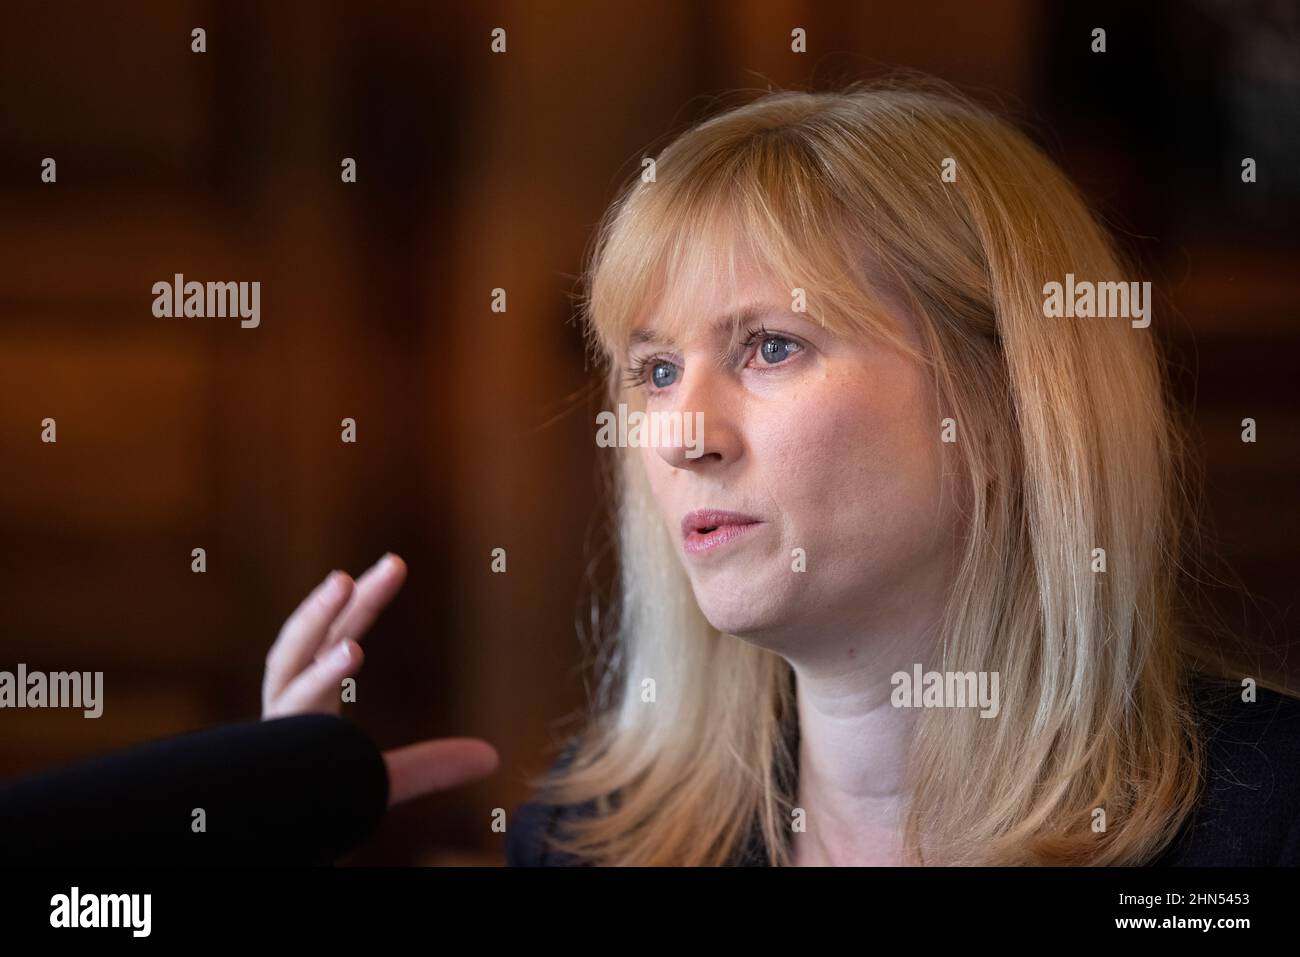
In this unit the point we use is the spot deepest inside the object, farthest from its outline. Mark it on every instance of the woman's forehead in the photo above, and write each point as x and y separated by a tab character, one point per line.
720	275
711	300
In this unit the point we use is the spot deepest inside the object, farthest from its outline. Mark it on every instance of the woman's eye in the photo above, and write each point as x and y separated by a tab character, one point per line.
663	374
775	349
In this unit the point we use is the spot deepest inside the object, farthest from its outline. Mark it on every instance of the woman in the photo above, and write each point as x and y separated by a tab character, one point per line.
915	477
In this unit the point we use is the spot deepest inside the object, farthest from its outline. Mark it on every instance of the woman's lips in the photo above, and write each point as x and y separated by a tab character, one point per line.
707	529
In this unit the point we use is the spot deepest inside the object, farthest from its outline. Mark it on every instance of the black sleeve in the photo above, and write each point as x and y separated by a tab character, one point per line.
528	829
1290	856
1249	810
526	833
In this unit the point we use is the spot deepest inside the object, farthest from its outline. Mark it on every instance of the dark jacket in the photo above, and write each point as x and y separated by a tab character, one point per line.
1248	814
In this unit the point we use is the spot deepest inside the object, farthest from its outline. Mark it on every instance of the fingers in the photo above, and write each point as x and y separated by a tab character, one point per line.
374	590
338	608
438	765
303	633
316	689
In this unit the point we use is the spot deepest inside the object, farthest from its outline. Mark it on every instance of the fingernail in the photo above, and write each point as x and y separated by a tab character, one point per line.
329	590
340	654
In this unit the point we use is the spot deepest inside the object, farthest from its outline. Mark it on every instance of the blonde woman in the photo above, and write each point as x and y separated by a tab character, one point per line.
905	465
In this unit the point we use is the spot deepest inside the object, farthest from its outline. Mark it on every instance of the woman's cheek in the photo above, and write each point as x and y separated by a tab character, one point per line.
809	452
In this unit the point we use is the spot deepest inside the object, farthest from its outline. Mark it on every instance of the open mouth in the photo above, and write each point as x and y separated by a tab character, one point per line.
706	529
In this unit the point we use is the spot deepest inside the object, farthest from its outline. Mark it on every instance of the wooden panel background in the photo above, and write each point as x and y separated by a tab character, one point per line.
475	172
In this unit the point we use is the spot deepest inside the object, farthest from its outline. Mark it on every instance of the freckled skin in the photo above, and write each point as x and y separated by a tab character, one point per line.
837	450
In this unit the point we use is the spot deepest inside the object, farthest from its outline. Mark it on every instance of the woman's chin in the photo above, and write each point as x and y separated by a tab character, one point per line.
744	614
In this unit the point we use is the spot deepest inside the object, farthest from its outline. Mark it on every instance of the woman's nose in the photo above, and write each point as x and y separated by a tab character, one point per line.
702	432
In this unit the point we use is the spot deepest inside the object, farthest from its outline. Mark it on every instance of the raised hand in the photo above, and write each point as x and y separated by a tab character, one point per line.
319	646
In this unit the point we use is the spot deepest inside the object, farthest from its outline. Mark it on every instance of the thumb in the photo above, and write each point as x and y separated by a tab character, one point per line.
437	765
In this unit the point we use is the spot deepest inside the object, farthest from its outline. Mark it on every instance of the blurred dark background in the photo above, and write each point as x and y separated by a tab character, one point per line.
475	428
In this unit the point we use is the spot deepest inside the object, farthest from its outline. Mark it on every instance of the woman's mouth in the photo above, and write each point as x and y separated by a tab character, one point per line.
707	529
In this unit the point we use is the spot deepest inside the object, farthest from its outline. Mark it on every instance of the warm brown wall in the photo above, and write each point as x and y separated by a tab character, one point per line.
475	171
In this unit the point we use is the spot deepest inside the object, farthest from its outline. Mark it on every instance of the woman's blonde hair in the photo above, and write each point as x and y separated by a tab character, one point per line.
875	200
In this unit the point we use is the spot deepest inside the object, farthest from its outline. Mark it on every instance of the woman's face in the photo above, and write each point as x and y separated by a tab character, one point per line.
833	448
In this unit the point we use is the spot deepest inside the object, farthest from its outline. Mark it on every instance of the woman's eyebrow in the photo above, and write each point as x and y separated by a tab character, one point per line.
726	323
